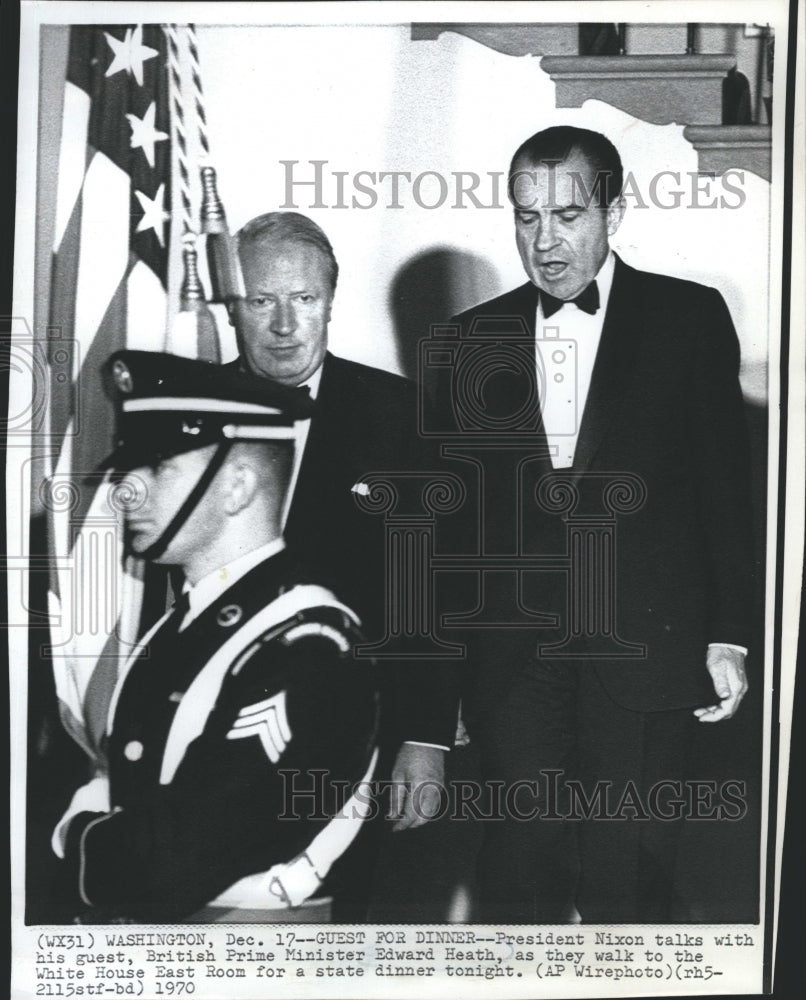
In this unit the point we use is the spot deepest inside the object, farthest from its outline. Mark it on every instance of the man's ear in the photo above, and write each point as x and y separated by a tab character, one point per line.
615	213
242	485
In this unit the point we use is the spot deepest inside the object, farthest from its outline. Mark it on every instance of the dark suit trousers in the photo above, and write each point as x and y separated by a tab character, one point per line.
558	718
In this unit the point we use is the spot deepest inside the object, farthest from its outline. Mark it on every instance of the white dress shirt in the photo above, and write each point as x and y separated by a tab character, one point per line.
566	346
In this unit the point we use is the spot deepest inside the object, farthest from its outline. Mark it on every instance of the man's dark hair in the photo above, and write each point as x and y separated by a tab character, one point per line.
556	144
289	227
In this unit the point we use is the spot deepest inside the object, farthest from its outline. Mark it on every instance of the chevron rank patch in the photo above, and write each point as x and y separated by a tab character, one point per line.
268	721
317	628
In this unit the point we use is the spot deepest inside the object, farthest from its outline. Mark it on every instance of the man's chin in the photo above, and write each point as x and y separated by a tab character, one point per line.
284	372
136	544
562	287
287	375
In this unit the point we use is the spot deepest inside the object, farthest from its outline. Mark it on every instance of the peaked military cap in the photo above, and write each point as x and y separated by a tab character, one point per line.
167	405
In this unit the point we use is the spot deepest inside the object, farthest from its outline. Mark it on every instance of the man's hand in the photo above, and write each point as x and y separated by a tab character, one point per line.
413	804
726	667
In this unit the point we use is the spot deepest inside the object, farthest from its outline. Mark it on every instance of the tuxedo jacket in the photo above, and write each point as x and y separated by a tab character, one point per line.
206	727
366	422
665	413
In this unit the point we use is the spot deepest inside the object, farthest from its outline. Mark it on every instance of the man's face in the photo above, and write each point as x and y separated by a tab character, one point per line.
561	232
282	322
157	493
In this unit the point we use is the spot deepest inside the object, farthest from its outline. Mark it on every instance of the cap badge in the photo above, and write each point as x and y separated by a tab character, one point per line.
122	377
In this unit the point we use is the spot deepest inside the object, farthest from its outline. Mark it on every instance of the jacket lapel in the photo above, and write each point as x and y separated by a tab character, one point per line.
521	303
615	363
323	457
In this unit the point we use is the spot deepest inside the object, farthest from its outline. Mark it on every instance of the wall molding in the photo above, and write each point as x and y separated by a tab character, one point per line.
739	147
661	89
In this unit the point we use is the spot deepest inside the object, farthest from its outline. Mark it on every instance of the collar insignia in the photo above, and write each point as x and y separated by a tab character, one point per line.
230	615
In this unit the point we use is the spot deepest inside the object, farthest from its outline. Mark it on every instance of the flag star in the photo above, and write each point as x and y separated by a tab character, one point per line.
154	214
130	54
144	135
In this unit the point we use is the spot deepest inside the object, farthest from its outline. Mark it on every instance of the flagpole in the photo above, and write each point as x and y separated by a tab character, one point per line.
194	332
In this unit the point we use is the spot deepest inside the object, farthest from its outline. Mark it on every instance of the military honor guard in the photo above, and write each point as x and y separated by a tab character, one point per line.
242	731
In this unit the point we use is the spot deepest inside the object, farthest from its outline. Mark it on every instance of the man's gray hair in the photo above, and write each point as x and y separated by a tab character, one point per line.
289	227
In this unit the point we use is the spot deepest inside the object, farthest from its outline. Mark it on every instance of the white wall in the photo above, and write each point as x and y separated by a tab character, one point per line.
368	98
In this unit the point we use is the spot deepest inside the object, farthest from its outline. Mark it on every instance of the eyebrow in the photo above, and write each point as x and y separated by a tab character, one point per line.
557	210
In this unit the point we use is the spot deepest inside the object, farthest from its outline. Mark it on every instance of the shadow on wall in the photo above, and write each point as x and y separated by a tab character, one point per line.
430	288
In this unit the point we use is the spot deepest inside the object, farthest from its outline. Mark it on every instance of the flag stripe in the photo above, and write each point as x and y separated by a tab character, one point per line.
96	411
72	156
61	345
104	245
146	298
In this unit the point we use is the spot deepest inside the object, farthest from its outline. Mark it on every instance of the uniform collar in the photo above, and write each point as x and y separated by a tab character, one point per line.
212	586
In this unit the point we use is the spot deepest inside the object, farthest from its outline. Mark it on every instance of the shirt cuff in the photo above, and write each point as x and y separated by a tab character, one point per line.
417	743
729	645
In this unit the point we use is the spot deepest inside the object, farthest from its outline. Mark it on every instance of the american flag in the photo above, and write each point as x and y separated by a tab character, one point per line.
108	291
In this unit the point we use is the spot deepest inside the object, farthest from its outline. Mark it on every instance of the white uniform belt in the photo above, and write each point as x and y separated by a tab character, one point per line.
291	883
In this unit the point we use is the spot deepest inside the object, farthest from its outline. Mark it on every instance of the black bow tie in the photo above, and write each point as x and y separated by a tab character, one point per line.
587	300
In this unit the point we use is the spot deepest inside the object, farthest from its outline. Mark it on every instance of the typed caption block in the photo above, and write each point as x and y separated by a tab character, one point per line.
252	961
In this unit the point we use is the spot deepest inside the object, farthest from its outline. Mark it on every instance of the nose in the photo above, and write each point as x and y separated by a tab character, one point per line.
134	488
283	319
546	234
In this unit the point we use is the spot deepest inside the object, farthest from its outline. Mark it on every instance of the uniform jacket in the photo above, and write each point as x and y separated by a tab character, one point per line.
211	731
366	422
665	407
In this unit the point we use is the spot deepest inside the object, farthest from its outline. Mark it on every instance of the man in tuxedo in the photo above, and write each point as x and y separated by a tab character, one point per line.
633	469
248	680
365	422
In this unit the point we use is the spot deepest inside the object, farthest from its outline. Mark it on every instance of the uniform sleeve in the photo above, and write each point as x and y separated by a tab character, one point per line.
251	791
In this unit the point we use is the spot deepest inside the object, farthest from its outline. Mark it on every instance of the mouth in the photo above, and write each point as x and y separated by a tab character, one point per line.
137	526
552	268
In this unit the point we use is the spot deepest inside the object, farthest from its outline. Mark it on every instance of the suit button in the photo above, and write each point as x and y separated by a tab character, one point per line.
133	751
